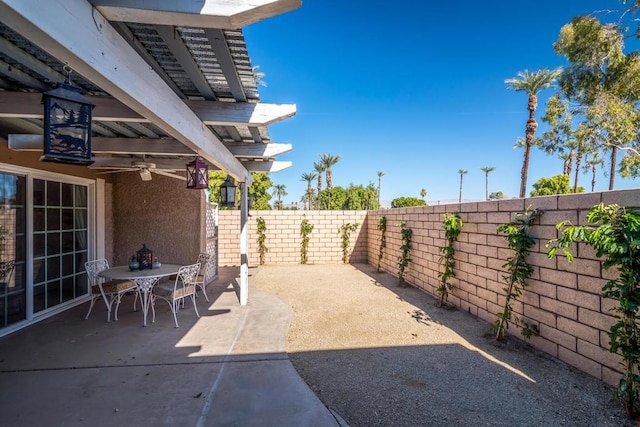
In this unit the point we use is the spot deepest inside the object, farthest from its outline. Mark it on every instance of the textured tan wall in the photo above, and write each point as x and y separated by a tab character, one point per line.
283	236
562	299
161	213
109	223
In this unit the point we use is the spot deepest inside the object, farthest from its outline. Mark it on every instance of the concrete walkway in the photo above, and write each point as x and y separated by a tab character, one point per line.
227	368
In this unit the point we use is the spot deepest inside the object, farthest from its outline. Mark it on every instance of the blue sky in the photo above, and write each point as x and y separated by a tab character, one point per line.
413	89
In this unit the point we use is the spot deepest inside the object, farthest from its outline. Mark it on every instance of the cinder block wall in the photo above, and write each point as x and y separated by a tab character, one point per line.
562	299
283	236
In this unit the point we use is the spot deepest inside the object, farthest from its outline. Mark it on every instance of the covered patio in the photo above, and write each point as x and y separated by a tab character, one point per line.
172	83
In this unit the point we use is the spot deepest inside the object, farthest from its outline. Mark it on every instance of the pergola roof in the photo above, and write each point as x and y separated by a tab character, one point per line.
163	93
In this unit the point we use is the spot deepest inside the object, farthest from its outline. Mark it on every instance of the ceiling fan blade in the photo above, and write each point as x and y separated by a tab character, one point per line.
115	171
169	174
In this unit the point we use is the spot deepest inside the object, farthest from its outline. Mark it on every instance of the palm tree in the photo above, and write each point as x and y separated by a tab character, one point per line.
486	171
532	83
309	177
258	76
592	163
380	175
279	190
461	172
423	193
319	167
329	160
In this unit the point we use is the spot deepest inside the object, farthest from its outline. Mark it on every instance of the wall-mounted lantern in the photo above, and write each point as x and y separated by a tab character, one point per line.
67	126
228	193
197	174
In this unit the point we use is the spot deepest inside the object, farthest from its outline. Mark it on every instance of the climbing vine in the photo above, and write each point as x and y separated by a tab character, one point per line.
452	224
305	230
614	232
403	259
382	226
262	238
345	231
517	234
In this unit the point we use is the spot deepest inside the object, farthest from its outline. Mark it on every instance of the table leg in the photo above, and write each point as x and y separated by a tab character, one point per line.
145	285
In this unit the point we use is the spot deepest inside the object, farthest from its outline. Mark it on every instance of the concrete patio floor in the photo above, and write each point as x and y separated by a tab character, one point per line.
227	368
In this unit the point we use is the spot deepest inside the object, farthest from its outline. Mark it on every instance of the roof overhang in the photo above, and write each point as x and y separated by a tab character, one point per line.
215	115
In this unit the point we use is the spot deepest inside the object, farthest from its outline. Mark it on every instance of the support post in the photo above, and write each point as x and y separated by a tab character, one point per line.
244	257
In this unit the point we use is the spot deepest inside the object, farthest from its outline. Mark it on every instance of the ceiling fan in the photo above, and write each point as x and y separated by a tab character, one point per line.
145	169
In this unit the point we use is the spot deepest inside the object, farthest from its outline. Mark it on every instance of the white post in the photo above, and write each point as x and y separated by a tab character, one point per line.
244	258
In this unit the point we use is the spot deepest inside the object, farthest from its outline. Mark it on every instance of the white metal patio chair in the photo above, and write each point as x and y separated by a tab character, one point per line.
110	291
173	292
6	270
204	260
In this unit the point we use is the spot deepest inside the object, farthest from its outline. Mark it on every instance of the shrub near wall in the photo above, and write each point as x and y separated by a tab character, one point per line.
283	237
562	299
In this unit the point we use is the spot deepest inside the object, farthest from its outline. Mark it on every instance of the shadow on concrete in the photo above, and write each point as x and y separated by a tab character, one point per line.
228	367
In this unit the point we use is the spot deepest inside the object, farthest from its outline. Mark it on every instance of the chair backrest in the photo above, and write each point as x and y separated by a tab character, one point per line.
93	268
205	260
187	276
6	269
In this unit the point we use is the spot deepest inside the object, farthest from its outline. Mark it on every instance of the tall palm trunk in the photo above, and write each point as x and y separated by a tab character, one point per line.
319	190
328	175
309	194
530	135
486	186
577	174
612	171
568	163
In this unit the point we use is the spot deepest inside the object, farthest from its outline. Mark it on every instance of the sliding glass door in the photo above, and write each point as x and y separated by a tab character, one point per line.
13	296
46	237
60	234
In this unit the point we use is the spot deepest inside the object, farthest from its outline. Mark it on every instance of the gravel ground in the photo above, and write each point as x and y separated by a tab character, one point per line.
381	355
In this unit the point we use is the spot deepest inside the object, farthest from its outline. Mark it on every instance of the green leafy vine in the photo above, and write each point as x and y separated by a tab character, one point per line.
404	259
517	234
305	230
614	232
262	238
345	231
452	224
382	226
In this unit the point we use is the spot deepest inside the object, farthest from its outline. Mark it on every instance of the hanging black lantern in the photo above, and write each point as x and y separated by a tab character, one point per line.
228	193
197	174
67	126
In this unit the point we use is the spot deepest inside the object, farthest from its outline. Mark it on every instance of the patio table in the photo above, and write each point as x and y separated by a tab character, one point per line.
145	279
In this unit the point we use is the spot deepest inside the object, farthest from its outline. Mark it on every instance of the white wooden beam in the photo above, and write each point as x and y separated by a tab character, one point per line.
126	33
220	48
108	109
180	51
22	77
149	146
203	14
29	61
78	35
179	164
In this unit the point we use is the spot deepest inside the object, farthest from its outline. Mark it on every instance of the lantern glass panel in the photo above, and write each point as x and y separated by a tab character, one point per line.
67	133
197	175
228	193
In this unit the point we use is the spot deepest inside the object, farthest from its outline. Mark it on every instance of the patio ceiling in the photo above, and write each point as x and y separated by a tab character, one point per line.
163	93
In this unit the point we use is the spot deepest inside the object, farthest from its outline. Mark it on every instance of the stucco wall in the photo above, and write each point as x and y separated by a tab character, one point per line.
160	213
283	236
562	299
